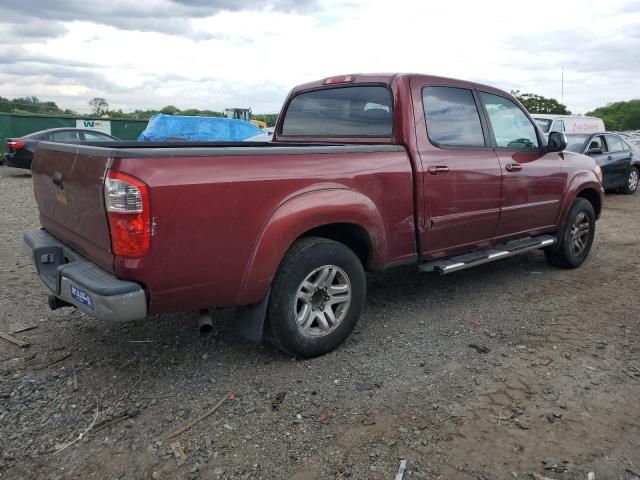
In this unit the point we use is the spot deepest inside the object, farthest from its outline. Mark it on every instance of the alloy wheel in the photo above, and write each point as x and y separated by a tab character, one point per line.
322	300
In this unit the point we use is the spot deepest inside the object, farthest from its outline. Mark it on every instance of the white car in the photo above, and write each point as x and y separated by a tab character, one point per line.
568	123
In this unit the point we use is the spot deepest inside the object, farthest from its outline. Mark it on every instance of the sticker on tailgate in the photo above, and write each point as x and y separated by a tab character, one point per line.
82	297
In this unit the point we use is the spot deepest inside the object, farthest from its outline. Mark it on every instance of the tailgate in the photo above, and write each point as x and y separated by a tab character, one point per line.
68	185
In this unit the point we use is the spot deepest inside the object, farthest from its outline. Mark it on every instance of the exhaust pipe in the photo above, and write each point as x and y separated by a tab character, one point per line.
205	322
55	303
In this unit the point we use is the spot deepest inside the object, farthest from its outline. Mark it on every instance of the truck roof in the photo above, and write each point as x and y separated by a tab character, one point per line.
389	78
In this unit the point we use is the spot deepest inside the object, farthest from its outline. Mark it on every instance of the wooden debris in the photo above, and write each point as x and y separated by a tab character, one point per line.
200	418
401	470
630	374
25	329
57	360
479	348
108	423
14	340
81	436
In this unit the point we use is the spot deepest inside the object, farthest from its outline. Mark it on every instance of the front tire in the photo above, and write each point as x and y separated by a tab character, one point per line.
575	238
632	181
317	297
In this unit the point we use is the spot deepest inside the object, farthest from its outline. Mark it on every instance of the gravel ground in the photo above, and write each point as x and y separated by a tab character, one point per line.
550	389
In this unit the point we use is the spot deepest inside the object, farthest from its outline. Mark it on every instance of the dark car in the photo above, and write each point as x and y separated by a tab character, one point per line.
20	150
619	161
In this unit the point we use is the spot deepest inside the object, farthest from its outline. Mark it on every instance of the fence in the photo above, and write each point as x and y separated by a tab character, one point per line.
16	125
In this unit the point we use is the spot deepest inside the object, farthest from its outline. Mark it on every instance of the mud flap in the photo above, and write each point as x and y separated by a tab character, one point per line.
250	320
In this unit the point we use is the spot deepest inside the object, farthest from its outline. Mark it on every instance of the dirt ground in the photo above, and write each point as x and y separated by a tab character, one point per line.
550	390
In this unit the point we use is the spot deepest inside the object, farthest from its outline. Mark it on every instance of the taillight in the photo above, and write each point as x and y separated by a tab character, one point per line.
127	202
16	144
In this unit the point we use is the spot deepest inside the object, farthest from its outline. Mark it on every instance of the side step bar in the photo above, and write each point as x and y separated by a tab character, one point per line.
497	252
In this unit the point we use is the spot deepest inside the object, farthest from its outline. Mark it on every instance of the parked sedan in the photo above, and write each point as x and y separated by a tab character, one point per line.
619	161
20	150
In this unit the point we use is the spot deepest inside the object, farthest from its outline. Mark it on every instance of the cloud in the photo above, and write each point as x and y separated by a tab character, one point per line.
224	53
172	17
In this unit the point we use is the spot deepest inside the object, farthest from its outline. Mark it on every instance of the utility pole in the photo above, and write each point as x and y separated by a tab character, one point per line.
562	87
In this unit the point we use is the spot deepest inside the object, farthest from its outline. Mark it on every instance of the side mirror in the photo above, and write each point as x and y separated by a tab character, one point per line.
557	142
595	151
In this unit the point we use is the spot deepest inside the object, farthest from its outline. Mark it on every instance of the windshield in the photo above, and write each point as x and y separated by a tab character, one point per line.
543	123
354	111
575	143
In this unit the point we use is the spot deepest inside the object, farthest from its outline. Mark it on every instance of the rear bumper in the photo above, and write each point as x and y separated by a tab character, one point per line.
78	281
17	162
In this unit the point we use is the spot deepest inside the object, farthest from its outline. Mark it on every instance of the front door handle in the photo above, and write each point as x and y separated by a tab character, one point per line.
609	157
438	169
514	167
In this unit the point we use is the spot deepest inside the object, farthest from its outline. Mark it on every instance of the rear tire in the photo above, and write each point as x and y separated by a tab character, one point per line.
632	181
575	238
317	297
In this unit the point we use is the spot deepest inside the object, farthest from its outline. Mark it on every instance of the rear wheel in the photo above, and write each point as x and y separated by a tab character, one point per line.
316	298
632	181
576	237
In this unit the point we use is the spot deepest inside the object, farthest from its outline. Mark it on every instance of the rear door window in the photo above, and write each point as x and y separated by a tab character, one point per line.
511	127
96	137
354	111
614	144
66	136
452	117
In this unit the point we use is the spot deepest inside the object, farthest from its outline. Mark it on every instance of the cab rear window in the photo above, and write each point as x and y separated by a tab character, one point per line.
354	111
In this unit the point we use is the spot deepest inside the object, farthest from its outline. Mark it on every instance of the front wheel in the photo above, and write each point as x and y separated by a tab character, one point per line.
632	181
575	238
317	297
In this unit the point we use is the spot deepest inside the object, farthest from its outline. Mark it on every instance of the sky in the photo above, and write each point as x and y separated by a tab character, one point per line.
215	54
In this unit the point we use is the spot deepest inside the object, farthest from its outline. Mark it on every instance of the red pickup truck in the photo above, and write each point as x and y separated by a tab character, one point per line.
365	172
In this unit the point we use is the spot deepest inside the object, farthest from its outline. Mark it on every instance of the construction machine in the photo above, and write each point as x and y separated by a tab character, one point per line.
244	114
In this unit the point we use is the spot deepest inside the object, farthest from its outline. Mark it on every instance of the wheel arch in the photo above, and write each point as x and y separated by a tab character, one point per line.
593	197
340	214
583	185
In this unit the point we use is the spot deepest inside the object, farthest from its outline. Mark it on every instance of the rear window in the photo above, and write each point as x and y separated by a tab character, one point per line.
355	111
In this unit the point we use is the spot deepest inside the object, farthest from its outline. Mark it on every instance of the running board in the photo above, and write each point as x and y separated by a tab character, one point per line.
497	252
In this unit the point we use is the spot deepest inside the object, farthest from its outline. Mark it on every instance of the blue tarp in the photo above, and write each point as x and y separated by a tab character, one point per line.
177	127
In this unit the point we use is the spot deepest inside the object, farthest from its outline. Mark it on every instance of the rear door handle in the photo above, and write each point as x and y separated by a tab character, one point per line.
514	167
438	169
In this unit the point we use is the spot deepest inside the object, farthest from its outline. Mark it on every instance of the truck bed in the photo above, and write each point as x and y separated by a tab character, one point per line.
223	213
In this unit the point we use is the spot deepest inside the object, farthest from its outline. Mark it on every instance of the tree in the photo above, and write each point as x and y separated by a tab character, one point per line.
27	105
269	118
539	104
170	110
99	106
619	115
